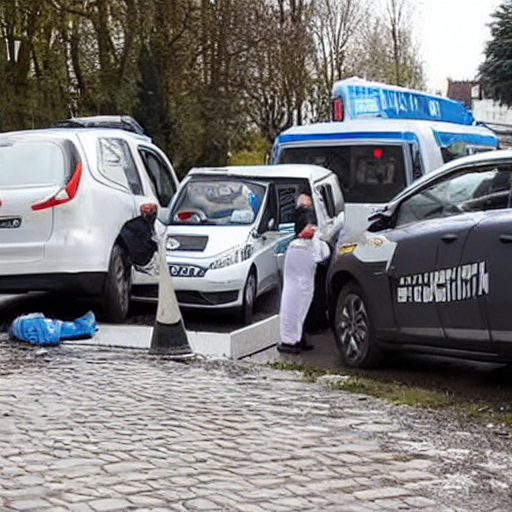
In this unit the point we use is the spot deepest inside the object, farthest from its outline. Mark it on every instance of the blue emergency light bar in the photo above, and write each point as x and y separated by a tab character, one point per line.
355	98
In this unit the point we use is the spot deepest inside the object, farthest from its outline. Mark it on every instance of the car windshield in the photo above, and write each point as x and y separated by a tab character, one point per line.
226	201
367	173
24	163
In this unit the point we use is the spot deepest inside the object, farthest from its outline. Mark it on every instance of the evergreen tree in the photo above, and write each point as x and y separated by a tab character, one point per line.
151	110
496	70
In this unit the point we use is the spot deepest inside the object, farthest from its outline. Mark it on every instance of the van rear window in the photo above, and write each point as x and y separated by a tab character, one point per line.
30	163
367	173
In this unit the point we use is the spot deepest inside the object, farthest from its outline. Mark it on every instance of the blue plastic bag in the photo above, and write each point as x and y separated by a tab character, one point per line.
39	330
81	328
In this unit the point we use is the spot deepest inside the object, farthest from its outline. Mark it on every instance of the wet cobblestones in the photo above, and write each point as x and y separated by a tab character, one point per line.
85	429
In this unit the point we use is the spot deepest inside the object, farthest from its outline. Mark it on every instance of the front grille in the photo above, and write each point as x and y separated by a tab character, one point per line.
206	299
190	243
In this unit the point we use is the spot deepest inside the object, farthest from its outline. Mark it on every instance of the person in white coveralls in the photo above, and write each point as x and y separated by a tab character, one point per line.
302	255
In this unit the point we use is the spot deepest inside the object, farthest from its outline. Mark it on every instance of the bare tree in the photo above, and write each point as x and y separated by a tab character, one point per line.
395	16
407	70
383	49
335	25
202	73
295	53
264	93
104	47
32	64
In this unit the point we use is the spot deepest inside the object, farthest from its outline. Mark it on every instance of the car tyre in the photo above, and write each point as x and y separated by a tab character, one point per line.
353	329
116	294
247	310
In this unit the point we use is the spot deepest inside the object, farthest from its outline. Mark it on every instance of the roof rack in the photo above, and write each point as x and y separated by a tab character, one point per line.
127	123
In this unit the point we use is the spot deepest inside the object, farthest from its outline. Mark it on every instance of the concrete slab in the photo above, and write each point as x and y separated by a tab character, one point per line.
255	337
240	343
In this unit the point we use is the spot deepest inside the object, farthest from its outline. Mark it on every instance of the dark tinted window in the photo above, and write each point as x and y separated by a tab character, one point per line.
459	149
327	196
287	198
367	174
269	218
160	175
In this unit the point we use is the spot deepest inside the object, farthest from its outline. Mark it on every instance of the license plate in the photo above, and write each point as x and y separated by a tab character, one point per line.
10	222
186	271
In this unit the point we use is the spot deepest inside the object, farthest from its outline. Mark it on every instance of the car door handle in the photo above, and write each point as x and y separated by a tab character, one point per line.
506	239
449	238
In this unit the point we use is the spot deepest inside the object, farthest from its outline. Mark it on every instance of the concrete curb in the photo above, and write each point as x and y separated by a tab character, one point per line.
241	343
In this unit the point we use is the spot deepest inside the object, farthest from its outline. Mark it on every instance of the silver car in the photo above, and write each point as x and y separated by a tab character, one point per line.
65	194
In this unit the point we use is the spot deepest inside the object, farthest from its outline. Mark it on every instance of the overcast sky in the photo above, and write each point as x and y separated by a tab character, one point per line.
452	37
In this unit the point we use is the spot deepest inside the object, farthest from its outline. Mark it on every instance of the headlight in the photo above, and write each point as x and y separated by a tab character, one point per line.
346	248
172	244
344	244
232	257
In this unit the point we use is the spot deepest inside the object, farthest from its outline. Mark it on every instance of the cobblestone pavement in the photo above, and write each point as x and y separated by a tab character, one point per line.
86	429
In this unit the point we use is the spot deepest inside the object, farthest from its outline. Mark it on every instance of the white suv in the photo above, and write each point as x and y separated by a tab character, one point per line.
65	194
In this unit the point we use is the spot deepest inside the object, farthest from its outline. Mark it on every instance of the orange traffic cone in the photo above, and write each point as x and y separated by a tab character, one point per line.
169	335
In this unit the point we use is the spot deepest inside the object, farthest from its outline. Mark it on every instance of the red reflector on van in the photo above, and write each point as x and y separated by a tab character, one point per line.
65	194
337	110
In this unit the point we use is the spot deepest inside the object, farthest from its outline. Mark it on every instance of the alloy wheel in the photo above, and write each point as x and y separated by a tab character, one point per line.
353	328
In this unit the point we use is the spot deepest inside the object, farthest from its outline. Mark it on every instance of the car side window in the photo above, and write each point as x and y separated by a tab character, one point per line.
466	190
160	175
116	163
328	199
287	197
268	219
491	191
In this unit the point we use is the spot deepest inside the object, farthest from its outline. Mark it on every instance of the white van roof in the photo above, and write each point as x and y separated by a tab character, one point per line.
383	128
430	136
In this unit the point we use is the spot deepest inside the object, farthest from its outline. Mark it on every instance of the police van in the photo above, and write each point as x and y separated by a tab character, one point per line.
380	139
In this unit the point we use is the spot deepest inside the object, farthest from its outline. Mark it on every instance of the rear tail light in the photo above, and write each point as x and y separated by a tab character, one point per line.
65	194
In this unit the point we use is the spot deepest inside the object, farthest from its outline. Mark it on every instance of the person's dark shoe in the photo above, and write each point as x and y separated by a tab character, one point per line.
288	348
305	344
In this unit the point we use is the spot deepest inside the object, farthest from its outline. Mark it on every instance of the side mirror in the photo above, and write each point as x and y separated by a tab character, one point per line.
263	228
380	221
